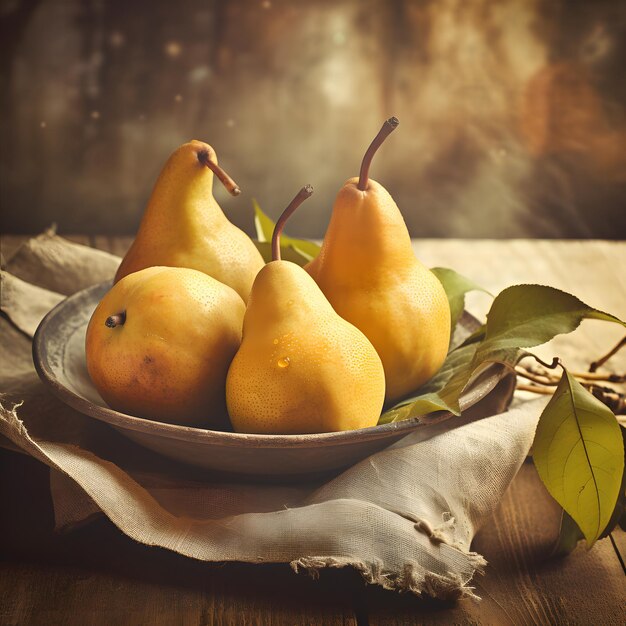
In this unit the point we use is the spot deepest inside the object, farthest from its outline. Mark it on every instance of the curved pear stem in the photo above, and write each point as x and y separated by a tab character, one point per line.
225	179
387	128
115	320
300	197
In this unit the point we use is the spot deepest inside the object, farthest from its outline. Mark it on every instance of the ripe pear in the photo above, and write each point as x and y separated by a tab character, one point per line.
300	368
368	271
160	342
183	226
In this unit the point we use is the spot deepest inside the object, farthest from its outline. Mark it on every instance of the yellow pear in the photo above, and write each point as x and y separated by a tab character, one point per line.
160	342
300	368
368	271
183	226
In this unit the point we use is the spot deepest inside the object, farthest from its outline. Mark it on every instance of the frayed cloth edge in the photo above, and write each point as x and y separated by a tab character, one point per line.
411	579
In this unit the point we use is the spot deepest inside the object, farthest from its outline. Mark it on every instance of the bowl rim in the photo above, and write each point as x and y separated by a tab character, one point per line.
124	421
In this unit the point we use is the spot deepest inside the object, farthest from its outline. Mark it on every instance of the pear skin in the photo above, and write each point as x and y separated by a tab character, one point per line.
368	271
300	368
183	225
160	343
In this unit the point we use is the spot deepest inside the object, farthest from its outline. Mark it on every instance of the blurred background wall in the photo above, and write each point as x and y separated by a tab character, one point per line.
512	111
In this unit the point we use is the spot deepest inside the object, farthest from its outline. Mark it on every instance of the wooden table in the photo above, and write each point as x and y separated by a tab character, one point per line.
96	575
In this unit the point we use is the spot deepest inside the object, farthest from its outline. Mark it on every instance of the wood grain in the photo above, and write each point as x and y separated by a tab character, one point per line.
96	575
523	583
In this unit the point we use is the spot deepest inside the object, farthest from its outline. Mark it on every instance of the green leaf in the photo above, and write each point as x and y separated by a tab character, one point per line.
579	454
440	393
456	286
263	224
265	228
477	335
524	316
620	508
521	316
569	536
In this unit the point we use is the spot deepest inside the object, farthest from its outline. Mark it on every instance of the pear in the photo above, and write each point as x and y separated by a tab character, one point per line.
300	368
160	342
368	271
183	226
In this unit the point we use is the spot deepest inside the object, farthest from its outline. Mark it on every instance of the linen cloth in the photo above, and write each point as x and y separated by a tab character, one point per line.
404	517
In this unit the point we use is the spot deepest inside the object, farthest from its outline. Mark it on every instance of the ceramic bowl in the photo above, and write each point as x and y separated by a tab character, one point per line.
59	357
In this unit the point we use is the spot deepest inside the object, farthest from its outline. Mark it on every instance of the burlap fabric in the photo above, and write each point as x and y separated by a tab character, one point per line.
404	518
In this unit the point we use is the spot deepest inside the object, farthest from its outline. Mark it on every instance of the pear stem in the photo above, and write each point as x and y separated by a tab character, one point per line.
387	128
225	179
299	198
116	320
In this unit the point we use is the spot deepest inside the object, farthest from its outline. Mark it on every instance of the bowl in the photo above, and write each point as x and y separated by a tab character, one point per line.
59	357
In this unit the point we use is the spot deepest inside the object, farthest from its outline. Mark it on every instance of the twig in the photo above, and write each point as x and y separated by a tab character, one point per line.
546	391
613	399
536	378
551	366
609	378
602	360
529	372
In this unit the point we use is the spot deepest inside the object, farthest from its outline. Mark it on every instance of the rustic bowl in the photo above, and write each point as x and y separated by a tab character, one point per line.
59	357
